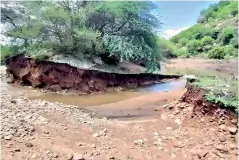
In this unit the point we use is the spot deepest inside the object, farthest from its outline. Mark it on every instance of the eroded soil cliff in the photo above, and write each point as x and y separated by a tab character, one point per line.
59	76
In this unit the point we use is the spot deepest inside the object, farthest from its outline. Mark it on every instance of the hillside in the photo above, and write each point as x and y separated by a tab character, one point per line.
214	36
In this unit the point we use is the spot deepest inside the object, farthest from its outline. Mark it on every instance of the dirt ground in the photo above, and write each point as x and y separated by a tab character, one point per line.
36	129
205	66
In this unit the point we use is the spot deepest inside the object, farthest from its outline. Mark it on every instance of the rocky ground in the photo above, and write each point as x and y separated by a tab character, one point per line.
36	129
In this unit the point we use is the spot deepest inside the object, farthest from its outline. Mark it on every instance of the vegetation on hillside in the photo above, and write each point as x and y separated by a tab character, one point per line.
117	30
215	35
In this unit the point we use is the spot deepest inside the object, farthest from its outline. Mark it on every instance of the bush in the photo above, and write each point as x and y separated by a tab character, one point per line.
215	34
226	35
167	49
183	53
194	47
207	40
7	51
207	48
234	42
230	51
217	53
183	41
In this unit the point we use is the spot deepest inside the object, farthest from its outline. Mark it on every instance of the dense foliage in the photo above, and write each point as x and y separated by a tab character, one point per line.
123	30
215	35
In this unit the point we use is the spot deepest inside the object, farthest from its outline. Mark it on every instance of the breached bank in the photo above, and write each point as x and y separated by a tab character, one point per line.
62	76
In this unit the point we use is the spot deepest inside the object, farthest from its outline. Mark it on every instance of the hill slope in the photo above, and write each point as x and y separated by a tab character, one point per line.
215	35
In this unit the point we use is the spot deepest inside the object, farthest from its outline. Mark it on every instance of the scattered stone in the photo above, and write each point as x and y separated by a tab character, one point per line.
169	128
42	120
170	107
96	135
33	156
13	101
202	153
28	117
9	145
156	134
222	148
234	122
78	157
232	130
165	106
223	127
160	148
29	144
176	112
111	157
8	137
232	146
139	142
69	156
178	144
178	121
17	150
55	155
222	138
93	146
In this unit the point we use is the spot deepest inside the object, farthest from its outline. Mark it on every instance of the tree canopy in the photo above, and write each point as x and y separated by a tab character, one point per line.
124	30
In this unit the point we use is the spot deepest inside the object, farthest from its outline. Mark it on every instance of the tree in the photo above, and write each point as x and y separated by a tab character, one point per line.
126	30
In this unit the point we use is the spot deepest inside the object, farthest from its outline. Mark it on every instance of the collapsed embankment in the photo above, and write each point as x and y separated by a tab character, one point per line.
197	96
60	76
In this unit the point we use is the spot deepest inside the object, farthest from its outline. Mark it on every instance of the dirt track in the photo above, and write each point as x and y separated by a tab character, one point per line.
44	130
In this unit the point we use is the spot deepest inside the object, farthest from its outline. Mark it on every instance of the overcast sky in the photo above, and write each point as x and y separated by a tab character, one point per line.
179	15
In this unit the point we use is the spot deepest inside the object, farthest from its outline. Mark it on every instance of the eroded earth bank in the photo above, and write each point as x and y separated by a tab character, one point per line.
38	129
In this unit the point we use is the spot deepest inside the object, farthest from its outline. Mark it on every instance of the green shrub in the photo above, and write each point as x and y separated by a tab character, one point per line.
7	51
167	48
230	51
207	48
226	35
215	34
207	40
183	53
183	41
217	53
194	47
234	42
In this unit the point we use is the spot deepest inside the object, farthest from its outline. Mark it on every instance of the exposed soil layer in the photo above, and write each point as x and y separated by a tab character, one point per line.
196	96
59	76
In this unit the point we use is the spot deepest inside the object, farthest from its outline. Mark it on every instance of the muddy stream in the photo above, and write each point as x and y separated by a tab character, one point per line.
122	105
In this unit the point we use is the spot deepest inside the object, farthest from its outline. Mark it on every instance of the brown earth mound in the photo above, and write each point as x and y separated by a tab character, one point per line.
197	97
60	76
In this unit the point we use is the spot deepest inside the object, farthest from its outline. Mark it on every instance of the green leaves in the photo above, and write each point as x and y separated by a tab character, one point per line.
125	30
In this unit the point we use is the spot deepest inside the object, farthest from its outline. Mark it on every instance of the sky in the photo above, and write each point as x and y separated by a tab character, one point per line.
179	15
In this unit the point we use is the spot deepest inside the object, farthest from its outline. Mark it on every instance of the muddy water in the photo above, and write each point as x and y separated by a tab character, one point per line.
128	105
112	97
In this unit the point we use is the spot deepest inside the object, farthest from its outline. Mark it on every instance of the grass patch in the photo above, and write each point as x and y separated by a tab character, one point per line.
221	86
221	90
